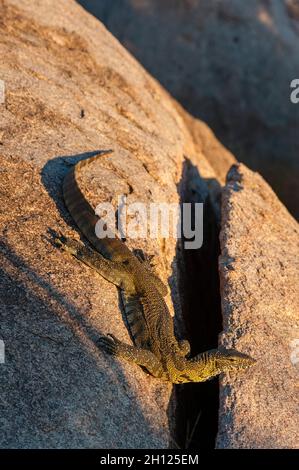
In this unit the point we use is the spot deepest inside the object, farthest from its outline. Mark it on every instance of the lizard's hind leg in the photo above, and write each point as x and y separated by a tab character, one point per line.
110	270
140	356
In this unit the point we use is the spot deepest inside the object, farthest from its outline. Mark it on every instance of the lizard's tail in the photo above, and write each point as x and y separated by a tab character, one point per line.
84	215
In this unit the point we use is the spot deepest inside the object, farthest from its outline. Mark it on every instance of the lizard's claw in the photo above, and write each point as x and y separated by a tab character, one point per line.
108	345
113	337
60	240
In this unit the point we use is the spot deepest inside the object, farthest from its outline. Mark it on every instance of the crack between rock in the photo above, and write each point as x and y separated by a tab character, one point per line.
197	404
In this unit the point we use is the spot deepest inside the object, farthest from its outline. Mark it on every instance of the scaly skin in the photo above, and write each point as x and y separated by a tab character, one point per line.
155	346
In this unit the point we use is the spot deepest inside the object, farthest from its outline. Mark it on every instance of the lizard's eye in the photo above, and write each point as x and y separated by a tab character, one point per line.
126	262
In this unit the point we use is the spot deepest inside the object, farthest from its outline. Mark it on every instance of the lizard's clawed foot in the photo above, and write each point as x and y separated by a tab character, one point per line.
69	245
109	345
145	259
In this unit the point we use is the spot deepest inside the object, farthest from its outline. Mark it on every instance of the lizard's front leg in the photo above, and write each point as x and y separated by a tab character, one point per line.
142	357
110	270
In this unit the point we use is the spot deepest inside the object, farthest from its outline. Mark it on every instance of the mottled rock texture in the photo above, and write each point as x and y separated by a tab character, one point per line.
70	90
229	62
259	269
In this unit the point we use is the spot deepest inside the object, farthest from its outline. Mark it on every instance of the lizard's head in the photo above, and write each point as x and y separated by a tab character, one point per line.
228	360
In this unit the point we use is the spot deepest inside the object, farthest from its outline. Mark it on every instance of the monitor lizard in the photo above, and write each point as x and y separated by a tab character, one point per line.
156	348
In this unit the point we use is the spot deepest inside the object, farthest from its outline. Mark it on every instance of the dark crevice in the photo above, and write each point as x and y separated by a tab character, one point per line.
197	404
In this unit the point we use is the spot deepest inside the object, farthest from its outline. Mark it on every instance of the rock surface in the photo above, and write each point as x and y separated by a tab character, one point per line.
259	268
229	63
70	90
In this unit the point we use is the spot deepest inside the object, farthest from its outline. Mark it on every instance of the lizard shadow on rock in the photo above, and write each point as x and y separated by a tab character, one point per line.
197	404
52	176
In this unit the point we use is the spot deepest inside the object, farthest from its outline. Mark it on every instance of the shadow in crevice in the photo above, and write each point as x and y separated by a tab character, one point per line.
198	403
